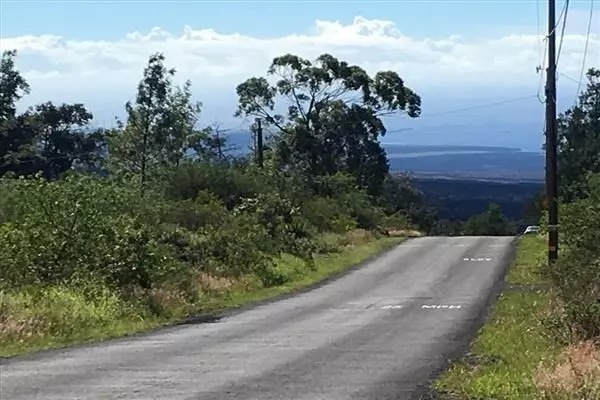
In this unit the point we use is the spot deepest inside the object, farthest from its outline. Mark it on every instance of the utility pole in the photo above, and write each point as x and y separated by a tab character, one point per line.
551	137
259	142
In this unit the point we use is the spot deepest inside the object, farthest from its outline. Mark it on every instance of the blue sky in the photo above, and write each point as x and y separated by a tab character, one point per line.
456	54
87	19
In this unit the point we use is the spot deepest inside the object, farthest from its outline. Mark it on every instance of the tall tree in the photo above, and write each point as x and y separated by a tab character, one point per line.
45	138
160	127
12	85
579	140
180	133
18	147
333	118
137	144
65	138
16	132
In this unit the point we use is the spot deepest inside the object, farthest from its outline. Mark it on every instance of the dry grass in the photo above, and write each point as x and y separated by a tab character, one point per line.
357	237
405	233
574	375
214	283
20	327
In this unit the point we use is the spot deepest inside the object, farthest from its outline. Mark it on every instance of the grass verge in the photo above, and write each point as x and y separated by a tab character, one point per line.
515	355
55	317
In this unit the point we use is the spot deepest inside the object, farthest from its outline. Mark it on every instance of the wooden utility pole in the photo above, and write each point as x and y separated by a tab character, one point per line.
259	143
551	137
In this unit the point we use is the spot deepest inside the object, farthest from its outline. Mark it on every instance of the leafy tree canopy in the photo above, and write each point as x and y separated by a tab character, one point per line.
579	140
332	121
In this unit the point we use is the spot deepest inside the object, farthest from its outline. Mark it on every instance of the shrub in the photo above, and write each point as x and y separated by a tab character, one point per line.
228	184
396	221
77	228
205	210
327	215
576	275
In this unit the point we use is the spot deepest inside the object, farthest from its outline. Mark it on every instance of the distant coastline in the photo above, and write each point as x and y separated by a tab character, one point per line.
417	148
472	162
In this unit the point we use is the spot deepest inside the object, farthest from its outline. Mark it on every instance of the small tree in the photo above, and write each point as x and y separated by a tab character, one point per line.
490	223
12	85
160	128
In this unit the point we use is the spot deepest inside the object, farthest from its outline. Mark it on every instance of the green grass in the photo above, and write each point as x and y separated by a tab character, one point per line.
326	265
513	338
525	269
39	319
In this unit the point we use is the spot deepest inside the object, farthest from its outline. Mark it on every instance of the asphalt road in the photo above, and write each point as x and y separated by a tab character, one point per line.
379	332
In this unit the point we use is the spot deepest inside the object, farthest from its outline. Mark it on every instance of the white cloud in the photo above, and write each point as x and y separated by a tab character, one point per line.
60	68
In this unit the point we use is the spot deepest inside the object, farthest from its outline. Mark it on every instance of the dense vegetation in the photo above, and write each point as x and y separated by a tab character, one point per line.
156	219
464	206
144	221
576	276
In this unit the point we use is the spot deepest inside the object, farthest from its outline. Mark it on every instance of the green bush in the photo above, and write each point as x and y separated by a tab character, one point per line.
194	214
227	183
355	202
327	215
398	220
98	238
79	228
274	274
576	275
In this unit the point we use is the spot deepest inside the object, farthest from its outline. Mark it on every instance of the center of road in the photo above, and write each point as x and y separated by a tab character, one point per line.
424	307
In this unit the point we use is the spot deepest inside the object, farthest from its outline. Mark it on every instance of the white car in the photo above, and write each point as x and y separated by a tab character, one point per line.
531	229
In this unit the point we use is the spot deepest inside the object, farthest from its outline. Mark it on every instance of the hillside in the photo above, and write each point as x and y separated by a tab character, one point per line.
459	199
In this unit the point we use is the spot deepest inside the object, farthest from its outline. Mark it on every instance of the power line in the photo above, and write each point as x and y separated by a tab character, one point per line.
562	14
562	33
585	51
542	66
540	69
570	78
480	106
465	109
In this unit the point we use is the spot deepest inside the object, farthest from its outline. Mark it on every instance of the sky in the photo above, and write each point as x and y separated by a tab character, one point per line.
473	62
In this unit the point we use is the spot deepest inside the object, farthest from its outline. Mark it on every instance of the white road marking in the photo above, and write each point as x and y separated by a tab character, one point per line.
441	306
393	307
477	259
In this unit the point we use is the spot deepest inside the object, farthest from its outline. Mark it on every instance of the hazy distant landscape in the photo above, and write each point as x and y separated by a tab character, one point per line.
450	161
495	163
460	181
